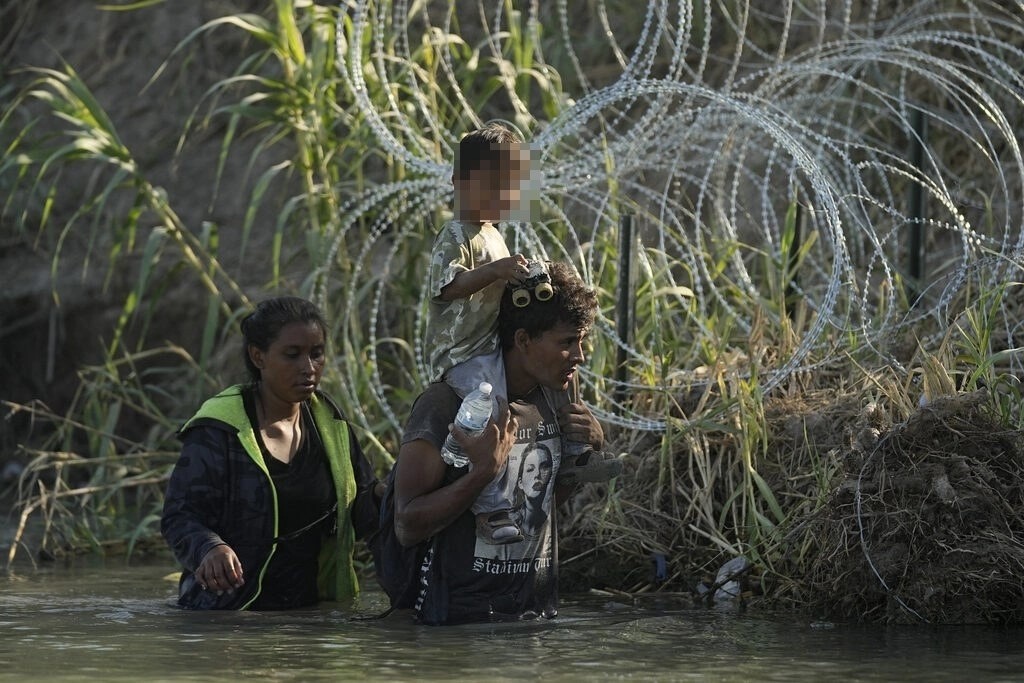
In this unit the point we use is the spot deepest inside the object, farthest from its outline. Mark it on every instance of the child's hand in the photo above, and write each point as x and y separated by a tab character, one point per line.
512	268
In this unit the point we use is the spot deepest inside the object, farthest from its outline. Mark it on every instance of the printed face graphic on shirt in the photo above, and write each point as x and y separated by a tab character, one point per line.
535	472
529	489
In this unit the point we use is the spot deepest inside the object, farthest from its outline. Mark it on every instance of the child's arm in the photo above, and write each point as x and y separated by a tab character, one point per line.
469	282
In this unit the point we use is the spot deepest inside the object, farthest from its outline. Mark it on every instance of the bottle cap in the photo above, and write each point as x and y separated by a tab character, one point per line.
485	388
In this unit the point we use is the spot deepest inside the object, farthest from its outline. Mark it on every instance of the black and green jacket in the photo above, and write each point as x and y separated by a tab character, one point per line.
220	491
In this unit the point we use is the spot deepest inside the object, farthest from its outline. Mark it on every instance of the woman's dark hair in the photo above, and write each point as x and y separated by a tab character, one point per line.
261	327
573	303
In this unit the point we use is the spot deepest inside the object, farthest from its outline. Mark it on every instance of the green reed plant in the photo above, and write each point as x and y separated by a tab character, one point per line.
89	138
980	361
286	93
92	483
711	468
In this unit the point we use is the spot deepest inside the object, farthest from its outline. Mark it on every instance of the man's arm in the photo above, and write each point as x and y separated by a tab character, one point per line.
423	505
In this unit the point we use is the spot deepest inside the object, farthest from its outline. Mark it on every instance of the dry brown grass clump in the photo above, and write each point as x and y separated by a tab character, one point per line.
927	522
885	520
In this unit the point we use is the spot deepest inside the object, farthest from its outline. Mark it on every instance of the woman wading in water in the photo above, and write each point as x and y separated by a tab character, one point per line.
271	489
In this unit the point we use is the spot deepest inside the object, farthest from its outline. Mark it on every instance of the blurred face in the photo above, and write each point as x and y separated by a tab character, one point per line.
290	369
536	472
493	192
551	358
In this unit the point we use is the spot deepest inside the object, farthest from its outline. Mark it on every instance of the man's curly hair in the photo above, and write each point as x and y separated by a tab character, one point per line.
573	303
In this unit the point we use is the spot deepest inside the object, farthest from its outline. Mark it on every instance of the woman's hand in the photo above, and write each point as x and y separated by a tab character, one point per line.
220	570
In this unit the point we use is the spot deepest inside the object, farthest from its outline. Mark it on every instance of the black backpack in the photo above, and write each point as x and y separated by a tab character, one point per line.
397	566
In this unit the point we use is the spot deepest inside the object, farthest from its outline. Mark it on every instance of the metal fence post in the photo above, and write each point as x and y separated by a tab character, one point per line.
624	304
915	200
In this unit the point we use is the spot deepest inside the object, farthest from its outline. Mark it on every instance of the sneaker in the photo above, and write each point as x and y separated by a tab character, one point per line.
588	468
497	528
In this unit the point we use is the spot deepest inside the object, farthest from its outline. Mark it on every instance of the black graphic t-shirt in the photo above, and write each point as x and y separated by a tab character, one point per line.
463	577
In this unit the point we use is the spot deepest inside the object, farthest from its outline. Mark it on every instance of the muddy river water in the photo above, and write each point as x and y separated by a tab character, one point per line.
110	622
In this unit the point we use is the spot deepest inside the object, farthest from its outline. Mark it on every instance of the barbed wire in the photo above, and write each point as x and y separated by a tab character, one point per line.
710	143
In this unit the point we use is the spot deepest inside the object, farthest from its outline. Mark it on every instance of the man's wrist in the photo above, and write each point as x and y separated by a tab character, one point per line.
481	475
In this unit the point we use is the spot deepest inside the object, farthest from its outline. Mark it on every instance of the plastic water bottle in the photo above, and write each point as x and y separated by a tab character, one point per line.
472	417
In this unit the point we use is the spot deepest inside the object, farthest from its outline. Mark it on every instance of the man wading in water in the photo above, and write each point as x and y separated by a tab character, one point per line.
463	578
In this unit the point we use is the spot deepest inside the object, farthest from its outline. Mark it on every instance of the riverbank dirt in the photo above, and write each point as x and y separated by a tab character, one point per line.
926	522
916	521
923	520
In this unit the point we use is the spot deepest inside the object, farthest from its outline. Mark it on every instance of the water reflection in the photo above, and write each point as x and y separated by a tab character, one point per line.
118	623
